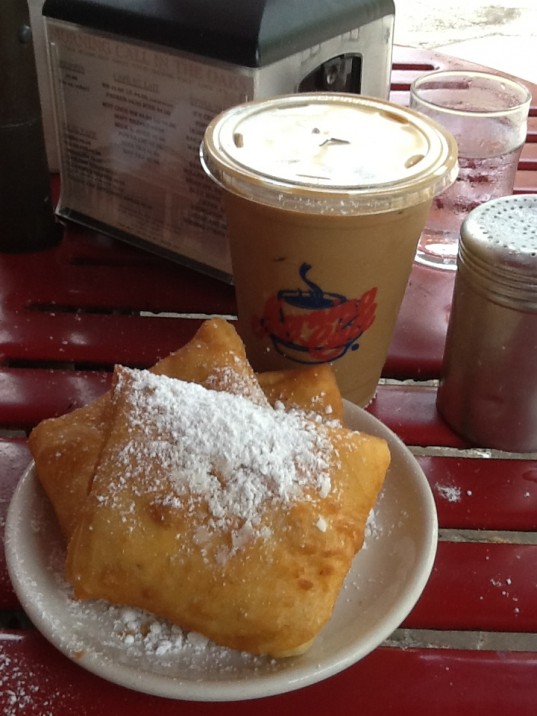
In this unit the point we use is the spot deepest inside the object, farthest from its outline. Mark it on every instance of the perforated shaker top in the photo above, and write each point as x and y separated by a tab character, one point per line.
499	248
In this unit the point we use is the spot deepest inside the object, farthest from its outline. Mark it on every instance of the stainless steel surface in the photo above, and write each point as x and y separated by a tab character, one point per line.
488	392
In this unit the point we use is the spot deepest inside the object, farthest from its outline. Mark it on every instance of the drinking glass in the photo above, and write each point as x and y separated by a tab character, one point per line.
487	114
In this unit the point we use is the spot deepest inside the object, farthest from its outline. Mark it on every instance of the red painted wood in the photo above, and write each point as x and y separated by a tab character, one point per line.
480	586
417	346
526	183
528	158
29	396
93	339
70	312
76	275
410	411
477	493
38	680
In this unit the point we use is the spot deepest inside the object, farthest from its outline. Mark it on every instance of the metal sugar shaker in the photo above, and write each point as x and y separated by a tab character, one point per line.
488	388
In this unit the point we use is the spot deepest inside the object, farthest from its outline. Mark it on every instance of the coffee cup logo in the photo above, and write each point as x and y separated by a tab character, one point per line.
314	326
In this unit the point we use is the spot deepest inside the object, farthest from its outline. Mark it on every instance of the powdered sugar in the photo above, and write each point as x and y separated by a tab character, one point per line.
140	651
372	527
26	685
141	635
220	448
133	636
234	380
451	493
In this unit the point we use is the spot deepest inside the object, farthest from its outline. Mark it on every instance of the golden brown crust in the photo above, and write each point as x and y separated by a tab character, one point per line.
271	594
66	449
265	584
311	388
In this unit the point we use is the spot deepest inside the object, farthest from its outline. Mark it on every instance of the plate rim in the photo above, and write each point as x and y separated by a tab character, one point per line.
263	685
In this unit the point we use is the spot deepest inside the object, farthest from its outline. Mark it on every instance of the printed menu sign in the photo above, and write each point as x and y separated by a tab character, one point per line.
130	119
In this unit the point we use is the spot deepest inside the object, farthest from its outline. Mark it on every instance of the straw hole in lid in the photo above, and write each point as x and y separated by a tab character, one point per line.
415	159
393	116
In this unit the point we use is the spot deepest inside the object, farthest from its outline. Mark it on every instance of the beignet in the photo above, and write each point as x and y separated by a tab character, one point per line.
228	502
66	448
229	518
312	389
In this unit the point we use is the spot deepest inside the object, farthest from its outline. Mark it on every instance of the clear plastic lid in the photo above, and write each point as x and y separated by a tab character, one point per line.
329	154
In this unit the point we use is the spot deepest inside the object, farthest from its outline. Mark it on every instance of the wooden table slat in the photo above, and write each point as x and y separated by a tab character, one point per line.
417	345
526	182
480	586
410	411
36	679
97	340
484	494
29	396
46	279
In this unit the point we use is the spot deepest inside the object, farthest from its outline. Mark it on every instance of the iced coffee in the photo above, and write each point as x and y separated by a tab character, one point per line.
326	196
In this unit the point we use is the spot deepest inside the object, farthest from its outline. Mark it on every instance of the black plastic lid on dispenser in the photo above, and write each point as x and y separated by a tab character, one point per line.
249	33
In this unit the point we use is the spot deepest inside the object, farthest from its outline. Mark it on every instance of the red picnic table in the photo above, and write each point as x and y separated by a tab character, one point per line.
69	313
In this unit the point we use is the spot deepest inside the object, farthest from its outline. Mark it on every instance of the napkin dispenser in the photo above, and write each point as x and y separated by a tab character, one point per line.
135	82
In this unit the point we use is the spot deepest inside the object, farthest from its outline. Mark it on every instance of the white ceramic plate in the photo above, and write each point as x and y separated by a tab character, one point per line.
385	581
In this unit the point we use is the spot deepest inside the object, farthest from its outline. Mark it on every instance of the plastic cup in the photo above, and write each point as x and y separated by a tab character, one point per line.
487	114
325	196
